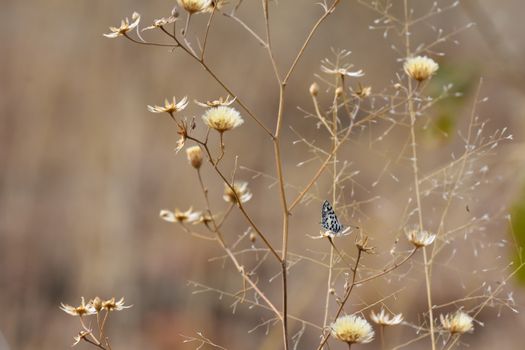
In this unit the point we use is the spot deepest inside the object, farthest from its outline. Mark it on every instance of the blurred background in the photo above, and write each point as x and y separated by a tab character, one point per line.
85	169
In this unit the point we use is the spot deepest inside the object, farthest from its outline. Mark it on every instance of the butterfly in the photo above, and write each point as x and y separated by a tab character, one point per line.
329	220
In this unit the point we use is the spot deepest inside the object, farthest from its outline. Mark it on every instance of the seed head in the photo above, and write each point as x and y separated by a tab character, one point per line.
384	319
314	89
352	329
222	118
457	323
240	191
420	238
420	67
363	91
125	26
194	6
96	303
194	156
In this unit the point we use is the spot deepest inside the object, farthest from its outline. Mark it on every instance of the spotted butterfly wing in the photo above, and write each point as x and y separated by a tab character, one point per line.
329	220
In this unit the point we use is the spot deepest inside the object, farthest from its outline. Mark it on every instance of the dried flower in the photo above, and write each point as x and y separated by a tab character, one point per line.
253	237
314	89
217	103
240	190
194	156
345	70
80	310
170	107
81	335
164	20
179	216
363	91
457	323
352	329
216	5
339	91
112	305
194	6
96	303
183	131
420	67
125	26
420	238
222	118
205	219
362	245
384	319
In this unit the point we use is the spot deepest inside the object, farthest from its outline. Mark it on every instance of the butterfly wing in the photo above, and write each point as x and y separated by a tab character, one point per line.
329	220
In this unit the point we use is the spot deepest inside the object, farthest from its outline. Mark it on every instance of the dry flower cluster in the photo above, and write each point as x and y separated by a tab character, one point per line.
101	309
355	110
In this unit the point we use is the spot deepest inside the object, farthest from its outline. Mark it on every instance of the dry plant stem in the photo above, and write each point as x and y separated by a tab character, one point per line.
308	38
389	269
461	171
98	345
241	208
232	257
412	114
279	167
213	75
269	40
382	336
334	199
355	283
323	166
328	287
448	342
245	26
490	298
88	330
347	295
188	18
205	41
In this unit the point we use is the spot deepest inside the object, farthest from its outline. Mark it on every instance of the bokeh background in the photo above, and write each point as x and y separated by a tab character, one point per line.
85	169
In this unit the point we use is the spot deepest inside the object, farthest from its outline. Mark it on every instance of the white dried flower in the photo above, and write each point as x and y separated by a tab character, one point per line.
420	238
240	190
343	71
222	118
194	6
352	329
125	26
164	20
384	319
217	103
420	67
81	310
457	323
112	305
194	154
179	216
170	107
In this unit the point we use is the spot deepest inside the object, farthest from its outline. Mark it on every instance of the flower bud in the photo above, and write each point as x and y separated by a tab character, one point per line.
194	156
314	89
